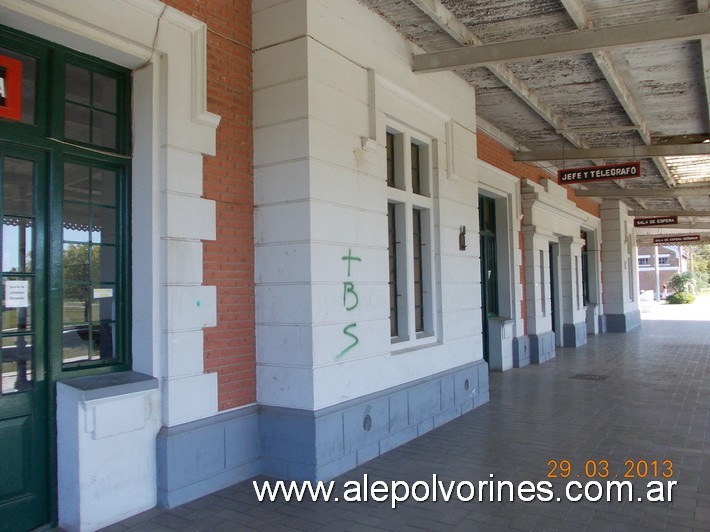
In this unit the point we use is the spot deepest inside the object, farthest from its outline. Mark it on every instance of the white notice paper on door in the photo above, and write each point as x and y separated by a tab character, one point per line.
17	294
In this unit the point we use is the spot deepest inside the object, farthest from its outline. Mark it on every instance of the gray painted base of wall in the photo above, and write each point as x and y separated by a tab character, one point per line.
204	456
521	351
304	445
574	334
623	322
602	324
198	458
542	347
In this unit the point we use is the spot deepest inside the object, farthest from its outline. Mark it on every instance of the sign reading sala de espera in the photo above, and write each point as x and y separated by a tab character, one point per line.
10	88
671	239
656	220
599	173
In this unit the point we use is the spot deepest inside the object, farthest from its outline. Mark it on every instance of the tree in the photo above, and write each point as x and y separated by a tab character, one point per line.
682	282
701	262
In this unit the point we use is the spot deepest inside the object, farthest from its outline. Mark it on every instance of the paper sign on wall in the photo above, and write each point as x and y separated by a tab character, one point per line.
101	293
17	294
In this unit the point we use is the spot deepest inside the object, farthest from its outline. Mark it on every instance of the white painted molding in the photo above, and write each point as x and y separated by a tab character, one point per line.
198	31
369	144
450	152
173	127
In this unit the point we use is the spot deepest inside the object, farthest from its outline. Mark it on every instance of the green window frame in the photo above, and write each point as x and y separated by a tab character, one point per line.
487	231
91	218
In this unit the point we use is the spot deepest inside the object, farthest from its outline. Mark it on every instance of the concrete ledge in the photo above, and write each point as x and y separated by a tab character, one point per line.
542	347
574	334
623	322
104	423
521	351
95	387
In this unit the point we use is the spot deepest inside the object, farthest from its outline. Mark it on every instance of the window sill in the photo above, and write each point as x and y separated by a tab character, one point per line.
407	346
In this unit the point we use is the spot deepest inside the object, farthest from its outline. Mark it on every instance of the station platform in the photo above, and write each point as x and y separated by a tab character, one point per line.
636	404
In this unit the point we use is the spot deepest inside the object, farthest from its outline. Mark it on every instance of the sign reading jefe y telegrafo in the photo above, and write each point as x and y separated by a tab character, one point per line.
599	173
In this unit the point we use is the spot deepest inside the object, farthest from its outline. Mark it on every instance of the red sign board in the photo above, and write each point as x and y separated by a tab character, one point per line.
657	220
672	239
10	88
599	173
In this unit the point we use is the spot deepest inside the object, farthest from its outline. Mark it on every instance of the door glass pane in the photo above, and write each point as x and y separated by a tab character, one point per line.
16	364
77	182
18	186
104	265
89	264
76	309
78	84
102	307
77	122
103	186
90	107
18	189
103	229
103	130
75	265
76	222
17	245
17	305
29	84
105	90
75	343
103	341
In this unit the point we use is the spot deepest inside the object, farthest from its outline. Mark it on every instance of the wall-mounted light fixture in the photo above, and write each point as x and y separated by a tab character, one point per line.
462	238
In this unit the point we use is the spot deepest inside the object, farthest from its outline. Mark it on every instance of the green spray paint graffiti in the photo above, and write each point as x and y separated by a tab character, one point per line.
349	289
349	257
355	339
350	302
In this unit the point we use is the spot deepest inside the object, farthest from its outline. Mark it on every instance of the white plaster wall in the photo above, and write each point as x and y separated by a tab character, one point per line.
619	262
172	130
499	184
549	216
320	180
570	267
537	279
109	469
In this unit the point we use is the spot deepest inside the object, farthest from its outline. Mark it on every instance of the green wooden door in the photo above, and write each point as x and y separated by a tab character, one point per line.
489	267
23	397
65	199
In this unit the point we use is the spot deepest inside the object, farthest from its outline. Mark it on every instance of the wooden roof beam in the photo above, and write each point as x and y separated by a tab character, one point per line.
687	27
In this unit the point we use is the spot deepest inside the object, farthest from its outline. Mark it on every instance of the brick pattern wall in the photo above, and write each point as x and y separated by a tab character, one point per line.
230	347
647	277
495	153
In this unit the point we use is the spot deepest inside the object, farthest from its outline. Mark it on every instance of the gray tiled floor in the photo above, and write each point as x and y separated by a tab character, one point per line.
654	405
